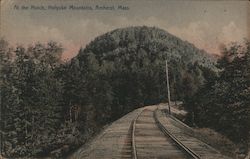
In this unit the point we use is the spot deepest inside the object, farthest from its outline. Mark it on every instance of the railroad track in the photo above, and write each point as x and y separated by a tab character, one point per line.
147	133
150	139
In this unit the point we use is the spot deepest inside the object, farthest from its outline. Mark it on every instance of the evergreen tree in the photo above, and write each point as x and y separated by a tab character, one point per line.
223	102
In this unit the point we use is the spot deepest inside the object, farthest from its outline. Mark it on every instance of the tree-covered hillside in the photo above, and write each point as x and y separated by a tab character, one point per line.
223	102
50	107
155	42
126	67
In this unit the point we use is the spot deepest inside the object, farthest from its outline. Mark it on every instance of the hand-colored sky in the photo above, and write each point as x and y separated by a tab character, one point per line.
207	24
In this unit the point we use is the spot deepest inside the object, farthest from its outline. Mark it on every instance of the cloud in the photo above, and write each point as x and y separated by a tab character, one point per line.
74	35
76	29
199	33
43	34
231	33
203	35
91	28
88	29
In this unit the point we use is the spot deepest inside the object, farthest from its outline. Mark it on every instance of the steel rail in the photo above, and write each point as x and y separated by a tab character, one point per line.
134	152
189	151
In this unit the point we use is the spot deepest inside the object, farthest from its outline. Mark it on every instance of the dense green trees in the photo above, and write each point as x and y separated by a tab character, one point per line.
47	104
31	105
50	106
223	102
134	62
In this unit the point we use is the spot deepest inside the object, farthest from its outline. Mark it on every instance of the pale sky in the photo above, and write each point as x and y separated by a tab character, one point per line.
207	24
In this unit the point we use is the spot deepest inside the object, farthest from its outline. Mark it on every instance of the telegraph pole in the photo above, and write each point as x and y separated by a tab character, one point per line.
168	89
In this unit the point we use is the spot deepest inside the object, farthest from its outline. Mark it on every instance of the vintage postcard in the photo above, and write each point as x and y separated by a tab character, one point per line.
116	79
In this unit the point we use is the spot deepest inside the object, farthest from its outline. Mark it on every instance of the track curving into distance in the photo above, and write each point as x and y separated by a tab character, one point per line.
150	139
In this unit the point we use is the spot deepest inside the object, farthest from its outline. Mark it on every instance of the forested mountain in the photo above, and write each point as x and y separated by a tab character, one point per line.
50	107
146	42
129	65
